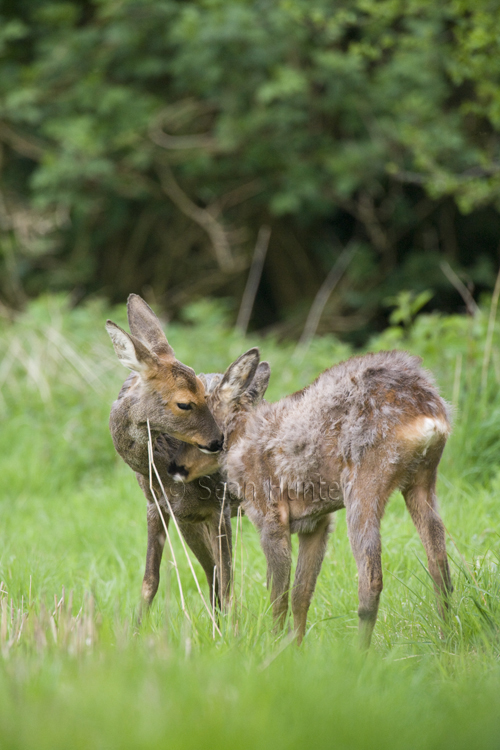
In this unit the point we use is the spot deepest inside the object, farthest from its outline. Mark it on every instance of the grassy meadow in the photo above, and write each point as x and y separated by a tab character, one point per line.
74	671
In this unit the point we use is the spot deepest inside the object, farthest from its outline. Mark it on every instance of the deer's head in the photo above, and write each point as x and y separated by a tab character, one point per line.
169	394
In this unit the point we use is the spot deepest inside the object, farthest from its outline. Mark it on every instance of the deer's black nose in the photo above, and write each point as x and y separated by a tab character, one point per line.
214	447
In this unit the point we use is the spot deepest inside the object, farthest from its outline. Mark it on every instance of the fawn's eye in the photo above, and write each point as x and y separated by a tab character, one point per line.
185	407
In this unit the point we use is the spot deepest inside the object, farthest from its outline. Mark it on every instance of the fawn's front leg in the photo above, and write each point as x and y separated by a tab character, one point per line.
312	549
276	543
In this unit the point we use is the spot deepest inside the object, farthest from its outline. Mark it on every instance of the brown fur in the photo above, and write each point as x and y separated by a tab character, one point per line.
152	393
162	382
364	428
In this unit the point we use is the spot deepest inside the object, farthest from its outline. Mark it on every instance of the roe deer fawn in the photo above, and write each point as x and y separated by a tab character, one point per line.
168	394
361	430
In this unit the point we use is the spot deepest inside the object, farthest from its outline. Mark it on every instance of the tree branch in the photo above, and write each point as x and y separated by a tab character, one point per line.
253	280
470	303
201	216
26	147
325	290
187	108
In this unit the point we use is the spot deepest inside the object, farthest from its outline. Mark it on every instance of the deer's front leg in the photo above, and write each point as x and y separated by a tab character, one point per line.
276	543
156	543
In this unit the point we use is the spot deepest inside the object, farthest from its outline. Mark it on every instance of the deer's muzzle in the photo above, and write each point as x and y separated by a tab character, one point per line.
214	447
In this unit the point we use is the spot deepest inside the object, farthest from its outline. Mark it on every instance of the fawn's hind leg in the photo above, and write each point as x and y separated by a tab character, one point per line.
421	501
365	506
312	549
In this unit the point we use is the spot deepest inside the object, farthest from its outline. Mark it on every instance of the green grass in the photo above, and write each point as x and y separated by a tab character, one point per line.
75	673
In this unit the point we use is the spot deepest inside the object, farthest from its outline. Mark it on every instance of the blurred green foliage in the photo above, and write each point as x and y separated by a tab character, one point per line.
146	141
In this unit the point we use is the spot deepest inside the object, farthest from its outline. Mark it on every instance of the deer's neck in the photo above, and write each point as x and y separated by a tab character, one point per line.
129	431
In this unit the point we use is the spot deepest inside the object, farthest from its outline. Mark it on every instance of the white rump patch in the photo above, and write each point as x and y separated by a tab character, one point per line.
424	431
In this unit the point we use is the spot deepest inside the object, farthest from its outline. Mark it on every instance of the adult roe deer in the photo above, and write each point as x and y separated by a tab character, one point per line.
169	394
362	429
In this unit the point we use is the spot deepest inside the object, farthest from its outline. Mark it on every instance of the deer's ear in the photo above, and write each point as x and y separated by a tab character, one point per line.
239	375
258	386
130	351
145	326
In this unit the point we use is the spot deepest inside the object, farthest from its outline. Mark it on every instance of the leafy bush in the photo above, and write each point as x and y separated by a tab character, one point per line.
147	141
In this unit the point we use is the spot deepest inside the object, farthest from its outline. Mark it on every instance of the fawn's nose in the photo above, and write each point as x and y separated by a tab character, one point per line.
214	447
178	473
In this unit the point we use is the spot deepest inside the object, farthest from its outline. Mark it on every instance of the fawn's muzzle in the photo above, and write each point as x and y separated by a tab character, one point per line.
178	473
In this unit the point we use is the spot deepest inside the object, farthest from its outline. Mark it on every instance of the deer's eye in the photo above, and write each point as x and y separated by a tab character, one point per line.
185	407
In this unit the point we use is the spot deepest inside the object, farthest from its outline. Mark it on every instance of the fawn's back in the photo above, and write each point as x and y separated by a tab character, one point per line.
379	407
364	428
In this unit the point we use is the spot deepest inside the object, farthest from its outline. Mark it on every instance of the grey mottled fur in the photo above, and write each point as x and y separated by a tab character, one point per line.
364	428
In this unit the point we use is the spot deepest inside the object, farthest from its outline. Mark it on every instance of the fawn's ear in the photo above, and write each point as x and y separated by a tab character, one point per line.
130	351
210	380
258	386
239	375
146	327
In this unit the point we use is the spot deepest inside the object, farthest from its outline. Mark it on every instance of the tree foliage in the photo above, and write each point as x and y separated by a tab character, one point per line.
145	142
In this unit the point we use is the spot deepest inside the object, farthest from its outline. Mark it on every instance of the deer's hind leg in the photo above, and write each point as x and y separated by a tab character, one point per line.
421	501
198	537
312	547
220	533
365	500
